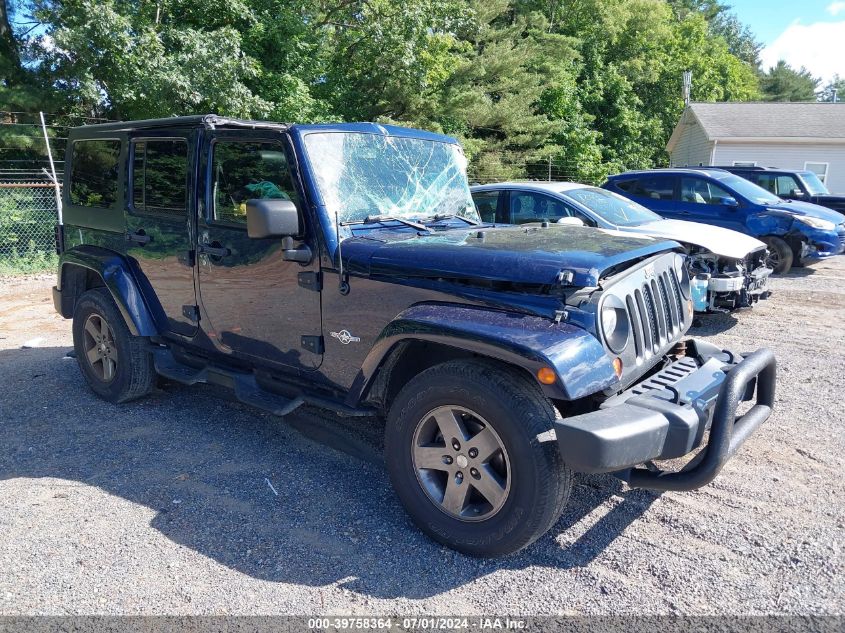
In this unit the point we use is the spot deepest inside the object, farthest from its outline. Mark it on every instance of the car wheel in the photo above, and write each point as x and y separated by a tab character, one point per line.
116	365
780	255
464	452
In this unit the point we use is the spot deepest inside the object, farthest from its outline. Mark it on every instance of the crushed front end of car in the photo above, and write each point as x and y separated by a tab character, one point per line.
729	283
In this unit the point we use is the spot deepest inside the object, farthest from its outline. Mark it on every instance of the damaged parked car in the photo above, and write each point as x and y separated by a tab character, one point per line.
727	269
795	232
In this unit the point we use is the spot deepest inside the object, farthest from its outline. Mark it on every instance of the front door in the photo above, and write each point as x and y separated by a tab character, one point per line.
702	201
157	220
254	303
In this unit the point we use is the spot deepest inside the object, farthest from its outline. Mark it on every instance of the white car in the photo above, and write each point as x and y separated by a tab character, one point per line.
727	268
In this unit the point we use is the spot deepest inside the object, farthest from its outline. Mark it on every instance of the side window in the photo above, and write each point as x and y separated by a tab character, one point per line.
767	182
244	170
93	173
786	185
628	186
656	187
160	176
701	191
486	202
535	207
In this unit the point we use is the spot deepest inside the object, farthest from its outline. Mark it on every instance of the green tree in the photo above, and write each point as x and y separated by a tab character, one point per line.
129	60
783	83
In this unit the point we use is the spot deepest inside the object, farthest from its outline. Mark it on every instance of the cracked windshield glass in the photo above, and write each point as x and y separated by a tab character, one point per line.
365	175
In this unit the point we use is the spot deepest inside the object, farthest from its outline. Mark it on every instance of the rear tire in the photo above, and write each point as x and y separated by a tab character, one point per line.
780	255
509	493
116	365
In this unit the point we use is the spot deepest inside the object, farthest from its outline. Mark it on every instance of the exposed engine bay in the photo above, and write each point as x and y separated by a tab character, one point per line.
730	283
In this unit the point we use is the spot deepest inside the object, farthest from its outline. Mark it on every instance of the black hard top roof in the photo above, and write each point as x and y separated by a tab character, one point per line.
210	121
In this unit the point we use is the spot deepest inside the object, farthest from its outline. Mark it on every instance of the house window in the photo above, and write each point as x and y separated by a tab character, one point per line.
819	169
744	163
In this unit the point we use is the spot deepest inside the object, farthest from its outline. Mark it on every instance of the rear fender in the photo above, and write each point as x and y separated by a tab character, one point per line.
118	276
528	342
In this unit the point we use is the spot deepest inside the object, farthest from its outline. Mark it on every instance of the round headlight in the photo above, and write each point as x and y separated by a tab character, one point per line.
614	324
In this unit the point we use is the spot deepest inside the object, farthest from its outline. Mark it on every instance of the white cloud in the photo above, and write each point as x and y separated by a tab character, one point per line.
835	8
819	47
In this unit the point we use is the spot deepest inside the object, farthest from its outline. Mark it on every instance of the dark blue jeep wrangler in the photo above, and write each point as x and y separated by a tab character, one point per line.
345	266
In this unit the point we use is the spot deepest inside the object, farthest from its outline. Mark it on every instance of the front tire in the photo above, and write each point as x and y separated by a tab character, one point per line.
780	255
463	454
117	366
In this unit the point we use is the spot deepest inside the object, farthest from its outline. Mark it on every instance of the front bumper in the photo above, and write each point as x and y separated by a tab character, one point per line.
666	416
820	244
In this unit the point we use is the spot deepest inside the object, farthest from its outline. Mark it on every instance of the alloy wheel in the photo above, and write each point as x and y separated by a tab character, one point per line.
461	463
100	348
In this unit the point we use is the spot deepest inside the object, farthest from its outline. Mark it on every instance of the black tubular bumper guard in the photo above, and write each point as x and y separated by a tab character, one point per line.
727	432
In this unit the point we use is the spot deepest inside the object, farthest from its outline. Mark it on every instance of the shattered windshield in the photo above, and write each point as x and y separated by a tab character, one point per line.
365	175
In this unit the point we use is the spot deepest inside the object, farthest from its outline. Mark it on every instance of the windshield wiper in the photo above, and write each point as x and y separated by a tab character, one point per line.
445	216
374	219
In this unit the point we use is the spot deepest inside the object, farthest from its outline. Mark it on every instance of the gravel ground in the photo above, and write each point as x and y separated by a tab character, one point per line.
186	503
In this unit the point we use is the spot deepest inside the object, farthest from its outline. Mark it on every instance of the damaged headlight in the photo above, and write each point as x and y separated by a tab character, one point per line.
816	223
615	325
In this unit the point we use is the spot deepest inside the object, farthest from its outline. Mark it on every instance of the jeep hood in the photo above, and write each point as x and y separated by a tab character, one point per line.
511	254
716	239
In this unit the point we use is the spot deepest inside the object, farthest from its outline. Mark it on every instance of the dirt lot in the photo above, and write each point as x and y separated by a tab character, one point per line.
185	503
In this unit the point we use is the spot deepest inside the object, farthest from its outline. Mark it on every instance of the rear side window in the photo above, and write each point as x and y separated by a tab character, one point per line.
656	187
160	176
93	173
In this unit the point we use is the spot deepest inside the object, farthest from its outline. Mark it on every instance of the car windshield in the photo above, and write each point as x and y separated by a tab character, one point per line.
815	187
748	190
612	207
362	175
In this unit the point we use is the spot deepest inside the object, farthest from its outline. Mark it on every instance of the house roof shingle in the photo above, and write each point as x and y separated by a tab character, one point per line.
771	120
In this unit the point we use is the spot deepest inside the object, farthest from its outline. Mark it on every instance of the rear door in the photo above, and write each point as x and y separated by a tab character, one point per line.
254	303
655	192
159	228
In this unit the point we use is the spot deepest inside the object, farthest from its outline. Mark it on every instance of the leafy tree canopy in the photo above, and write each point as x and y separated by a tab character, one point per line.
594	84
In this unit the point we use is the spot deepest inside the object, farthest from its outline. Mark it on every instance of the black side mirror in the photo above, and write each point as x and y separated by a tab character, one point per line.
271	218
730	202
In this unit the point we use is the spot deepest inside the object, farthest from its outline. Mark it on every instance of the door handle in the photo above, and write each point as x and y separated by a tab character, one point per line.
215	249
139	237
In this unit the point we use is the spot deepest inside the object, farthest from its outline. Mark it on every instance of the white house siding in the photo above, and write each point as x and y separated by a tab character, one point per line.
787	156
693	148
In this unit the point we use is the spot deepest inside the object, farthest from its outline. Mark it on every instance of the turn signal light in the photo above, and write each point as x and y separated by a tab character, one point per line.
546	375
617	367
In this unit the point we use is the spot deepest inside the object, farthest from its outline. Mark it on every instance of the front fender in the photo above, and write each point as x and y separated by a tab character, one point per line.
117	274
529	342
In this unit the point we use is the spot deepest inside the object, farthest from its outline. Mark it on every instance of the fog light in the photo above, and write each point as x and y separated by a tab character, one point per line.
617	367
546	375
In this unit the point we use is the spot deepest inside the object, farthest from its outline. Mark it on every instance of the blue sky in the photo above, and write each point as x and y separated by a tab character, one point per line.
808	33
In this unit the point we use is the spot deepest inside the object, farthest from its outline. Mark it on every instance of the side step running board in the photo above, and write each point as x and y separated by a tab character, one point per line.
245	387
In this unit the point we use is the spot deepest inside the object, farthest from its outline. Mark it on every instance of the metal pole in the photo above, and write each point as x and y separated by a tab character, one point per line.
550	167
52	175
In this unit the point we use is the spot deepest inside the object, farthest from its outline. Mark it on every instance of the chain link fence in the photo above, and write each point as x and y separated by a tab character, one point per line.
28	218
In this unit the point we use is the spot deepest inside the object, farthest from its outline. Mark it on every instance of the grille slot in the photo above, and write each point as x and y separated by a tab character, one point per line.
656	312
